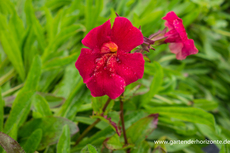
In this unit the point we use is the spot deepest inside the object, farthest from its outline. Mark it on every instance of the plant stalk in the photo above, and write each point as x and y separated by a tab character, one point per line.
122	121
93	124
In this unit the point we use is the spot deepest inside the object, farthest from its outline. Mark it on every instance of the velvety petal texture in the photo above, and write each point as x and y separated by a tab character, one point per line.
125	35
130	66
97	36
108	66
86	63
177	37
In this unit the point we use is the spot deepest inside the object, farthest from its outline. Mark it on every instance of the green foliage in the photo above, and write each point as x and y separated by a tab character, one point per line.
33	141
89	149
51	129
22	103
63	145
43	99
41	107
1	111
9	144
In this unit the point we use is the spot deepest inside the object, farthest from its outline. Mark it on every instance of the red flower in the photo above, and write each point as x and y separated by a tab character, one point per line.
177	37
108	66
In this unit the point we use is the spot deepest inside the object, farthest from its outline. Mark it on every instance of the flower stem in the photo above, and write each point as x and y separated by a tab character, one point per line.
86	131
92	125
122	121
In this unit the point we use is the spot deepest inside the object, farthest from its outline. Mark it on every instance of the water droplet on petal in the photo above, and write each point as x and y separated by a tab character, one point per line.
105	68
97	60
118	60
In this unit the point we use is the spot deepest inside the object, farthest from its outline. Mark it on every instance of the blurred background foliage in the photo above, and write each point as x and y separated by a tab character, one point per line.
43	97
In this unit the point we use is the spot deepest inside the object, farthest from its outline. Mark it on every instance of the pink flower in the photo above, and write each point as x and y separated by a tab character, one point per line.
108	66
177	37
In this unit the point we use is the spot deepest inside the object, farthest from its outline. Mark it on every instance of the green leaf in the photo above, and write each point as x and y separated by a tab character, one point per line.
33	141
115	143
69	103
59	40
89	149
210	133
98	104
14	132
109	122
96	139
225	148
60	61
64	88
142	128
51	128
6	7
41	106
156	82
32	21
7	76
63	145
11	47
143	147
89	121
207	105
1	111
188	19
92	149
28	43
92	13
49	24
194	115
9	144
22	102
55	4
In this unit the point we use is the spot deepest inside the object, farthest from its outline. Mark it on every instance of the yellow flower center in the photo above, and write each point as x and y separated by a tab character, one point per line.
109	47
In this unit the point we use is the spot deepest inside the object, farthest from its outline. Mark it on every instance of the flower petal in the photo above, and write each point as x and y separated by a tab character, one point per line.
176	48
97	36
125	35
130	67
86	63
182	50
106	83
179	27
170	17
172	36
189	48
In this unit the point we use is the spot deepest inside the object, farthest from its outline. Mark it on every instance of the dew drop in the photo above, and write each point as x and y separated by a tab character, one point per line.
97	60
118	60
105	68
